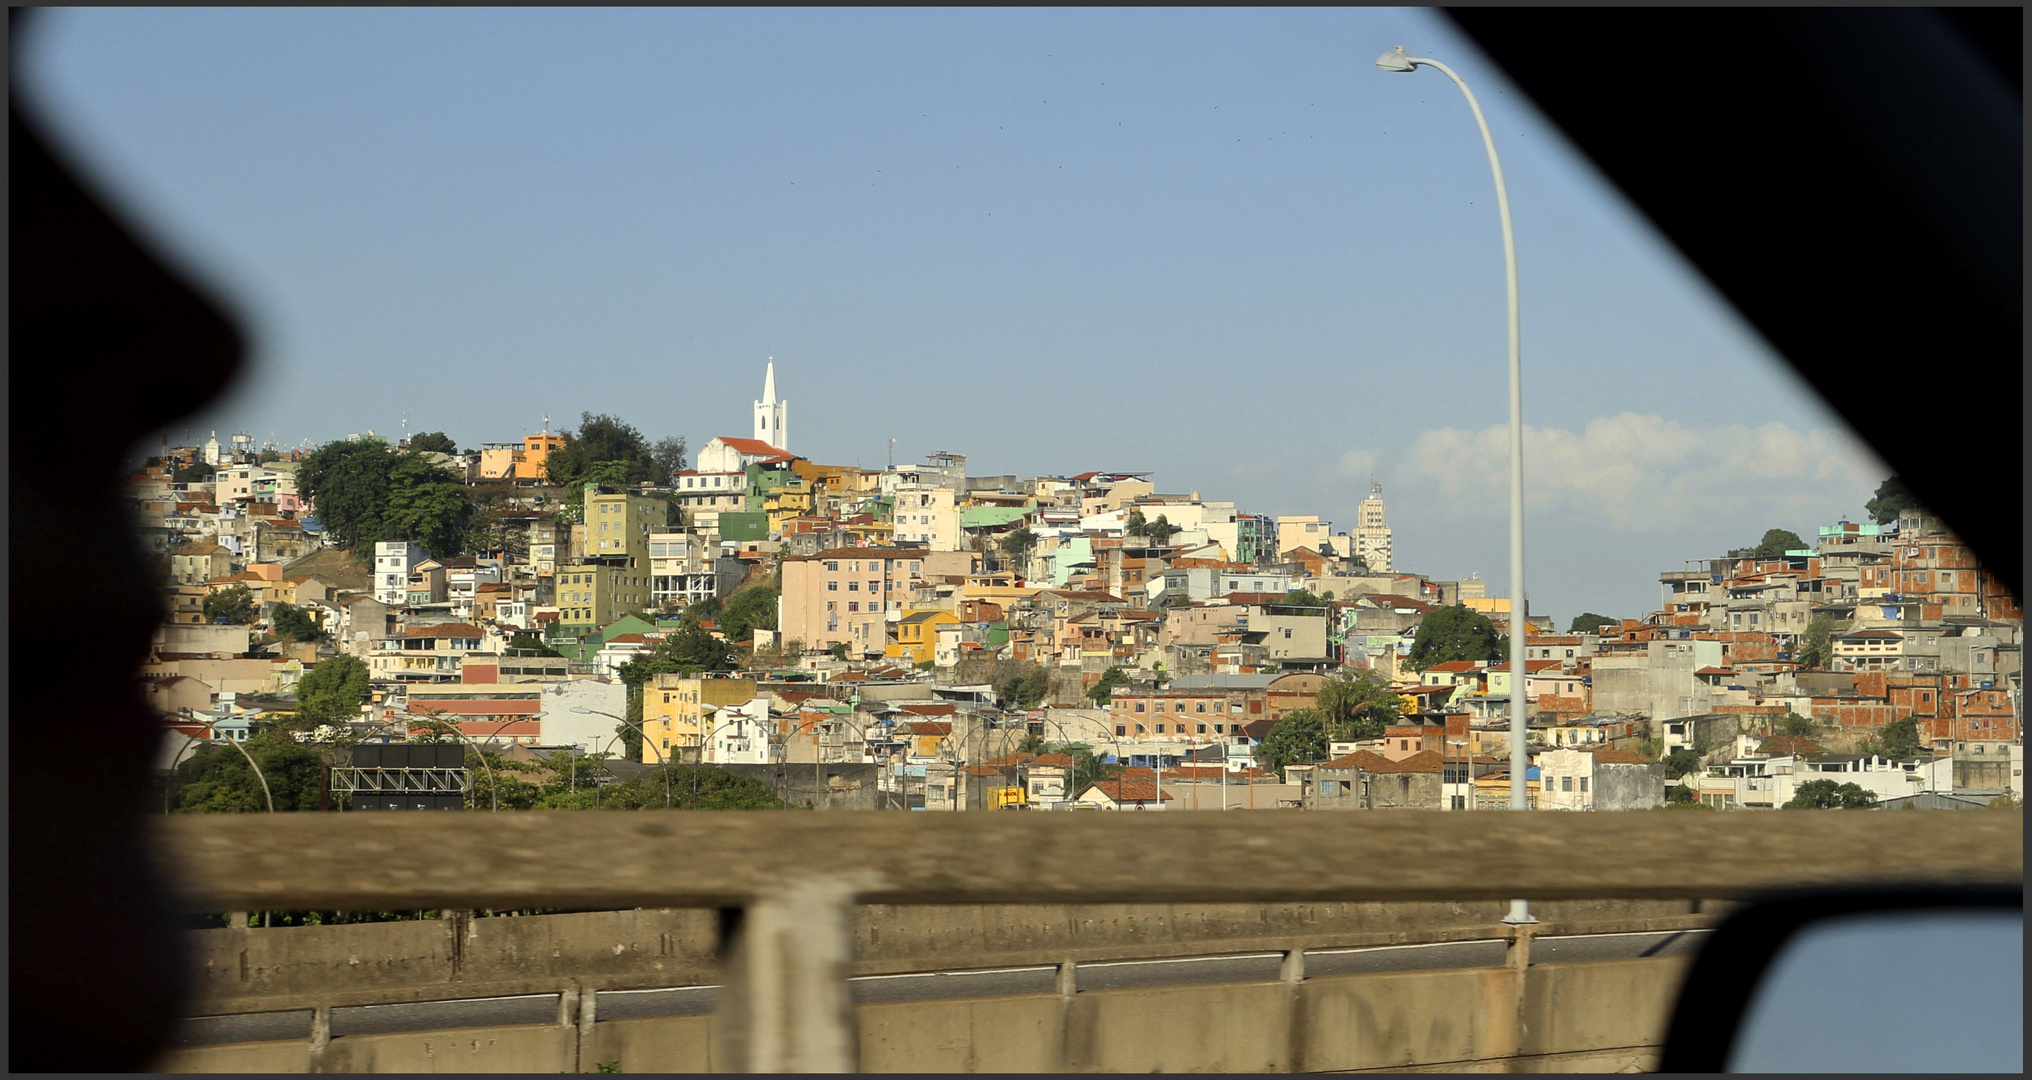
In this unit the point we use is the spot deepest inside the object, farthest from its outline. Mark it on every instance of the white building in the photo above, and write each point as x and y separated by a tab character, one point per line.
740	735
927	515
772	417
393	560
1372	534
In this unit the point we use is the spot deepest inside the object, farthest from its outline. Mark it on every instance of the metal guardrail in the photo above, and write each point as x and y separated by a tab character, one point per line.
786	882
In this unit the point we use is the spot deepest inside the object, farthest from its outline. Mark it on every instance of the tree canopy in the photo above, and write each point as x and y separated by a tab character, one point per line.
1025	690
668	457
601	438
1454	633
1162	530
1587	622
748	609
217	779
234	603
197	472
1776	542
1134	525
1100	692
331	691
366	493
1816	645
1358	705
1891	496
1897	740
1017	544
1828	795
1305	598
433	442
1349	706
293	623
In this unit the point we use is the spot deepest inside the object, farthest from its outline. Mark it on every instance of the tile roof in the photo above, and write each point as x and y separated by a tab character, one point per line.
1425	761
444	630
752	446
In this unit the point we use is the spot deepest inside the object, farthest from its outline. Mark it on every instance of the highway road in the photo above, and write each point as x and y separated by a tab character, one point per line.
993	982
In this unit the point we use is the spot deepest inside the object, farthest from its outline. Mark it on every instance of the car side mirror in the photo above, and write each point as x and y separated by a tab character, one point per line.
1906	981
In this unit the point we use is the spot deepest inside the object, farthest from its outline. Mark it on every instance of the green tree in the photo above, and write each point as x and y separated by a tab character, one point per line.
749	609
1681	762
1161	531
1299	737
428	505
217	779
1827	795
433	442
348	482
1454	633
2005	801
527	643
332	691
1017	545
1304	598
1816	645
666	458
1777	542
1102	691
602	438
1026	689
293	623
1681	797
1134	525
1588	622
1897	740
1357	706
197	472
1891	496
366	493
234	604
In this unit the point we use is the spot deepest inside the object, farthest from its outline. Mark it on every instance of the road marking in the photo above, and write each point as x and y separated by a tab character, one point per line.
961	974
1186	960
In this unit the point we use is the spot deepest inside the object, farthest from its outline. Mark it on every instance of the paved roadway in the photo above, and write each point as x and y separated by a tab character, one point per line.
993	982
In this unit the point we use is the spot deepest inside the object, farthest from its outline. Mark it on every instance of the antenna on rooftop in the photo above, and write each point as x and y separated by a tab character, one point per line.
405	425
892	453
546	423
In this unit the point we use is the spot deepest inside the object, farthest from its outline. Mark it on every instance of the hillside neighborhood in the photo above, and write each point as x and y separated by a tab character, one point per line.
919	637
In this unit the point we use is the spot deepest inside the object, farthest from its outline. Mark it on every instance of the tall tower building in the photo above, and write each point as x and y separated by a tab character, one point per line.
1372	534
772	417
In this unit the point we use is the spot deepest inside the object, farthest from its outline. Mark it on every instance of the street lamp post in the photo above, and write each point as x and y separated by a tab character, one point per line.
1397	61
646	741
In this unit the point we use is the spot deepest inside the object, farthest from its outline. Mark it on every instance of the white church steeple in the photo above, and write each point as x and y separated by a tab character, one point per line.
772	417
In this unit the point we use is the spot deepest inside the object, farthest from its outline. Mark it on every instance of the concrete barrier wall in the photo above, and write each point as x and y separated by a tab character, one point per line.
369	963
1607	1016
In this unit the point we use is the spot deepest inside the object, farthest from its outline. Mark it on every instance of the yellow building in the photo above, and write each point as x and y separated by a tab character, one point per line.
917	635
1487	605
612	580
674	708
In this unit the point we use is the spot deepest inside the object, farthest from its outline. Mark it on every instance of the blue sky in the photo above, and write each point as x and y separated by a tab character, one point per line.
1218	245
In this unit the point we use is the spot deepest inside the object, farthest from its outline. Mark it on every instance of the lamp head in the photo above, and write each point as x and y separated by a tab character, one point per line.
1396	61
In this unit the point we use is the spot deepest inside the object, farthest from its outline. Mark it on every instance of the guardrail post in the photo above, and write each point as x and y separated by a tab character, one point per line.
785	961
1068	978
237	920
588	1018
1293	968
320	1037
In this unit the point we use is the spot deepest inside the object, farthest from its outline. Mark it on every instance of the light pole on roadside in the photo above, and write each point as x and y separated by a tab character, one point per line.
1397	61
646	741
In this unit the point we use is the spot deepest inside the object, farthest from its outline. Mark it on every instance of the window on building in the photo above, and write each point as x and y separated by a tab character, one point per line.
1583	785
853	605
1139	706
1121	729
1160	729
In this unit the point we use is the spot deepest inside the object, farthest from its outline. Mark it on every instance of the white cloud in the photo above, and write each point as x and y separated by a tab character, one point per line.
1634	473
1359	463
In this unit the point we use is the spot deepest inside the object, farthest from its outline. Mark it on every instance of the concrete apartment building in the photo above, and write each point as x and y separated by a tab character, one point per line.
847	595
